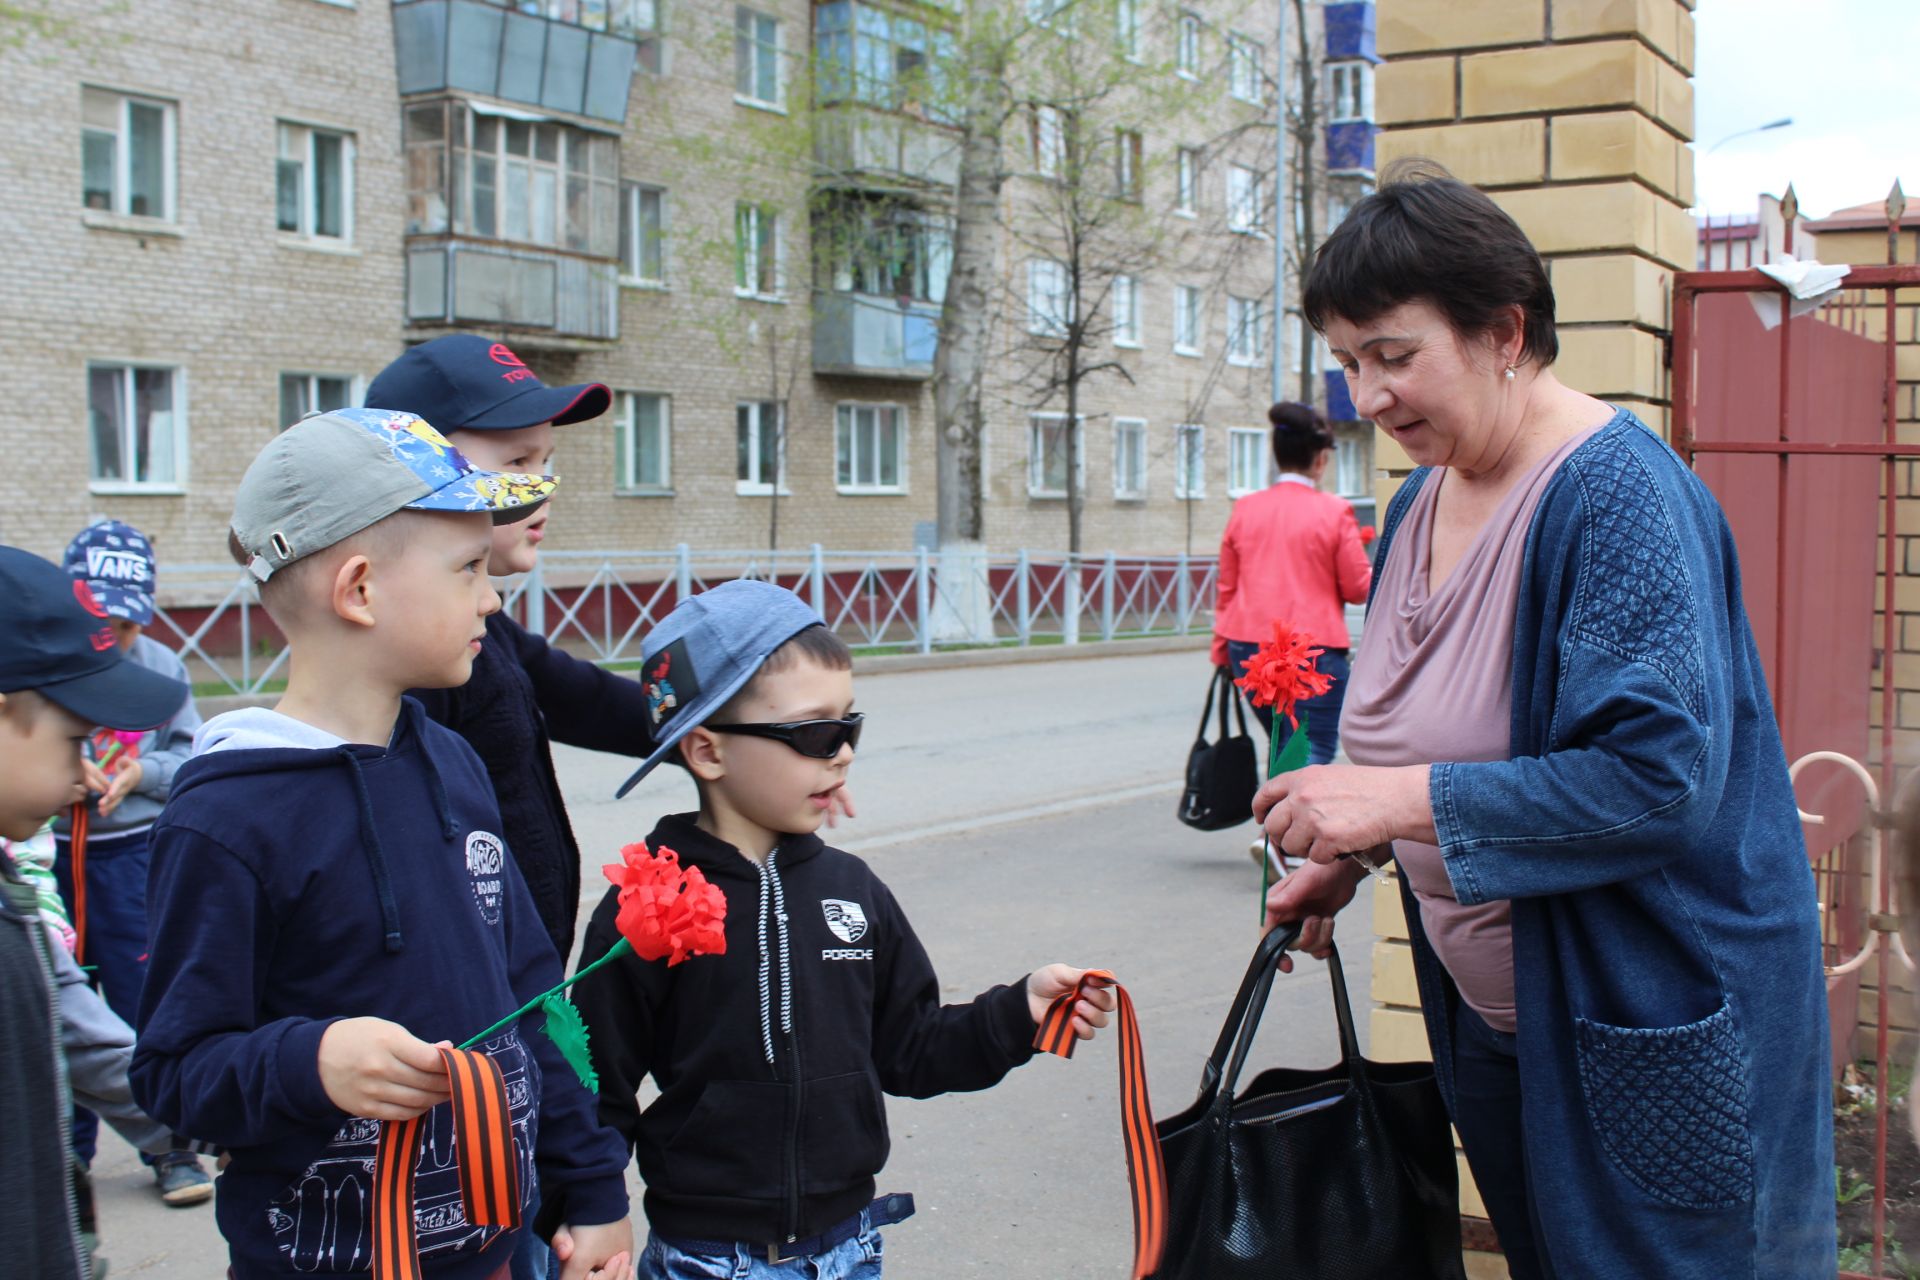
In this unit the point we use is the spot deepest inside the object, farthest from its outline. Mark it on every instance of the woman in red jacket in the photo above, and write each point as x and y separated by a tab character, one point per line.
1291	553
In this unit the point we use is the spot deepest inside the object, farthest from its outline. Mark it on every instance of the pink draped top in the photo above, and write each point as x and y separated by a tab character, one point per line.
1432	681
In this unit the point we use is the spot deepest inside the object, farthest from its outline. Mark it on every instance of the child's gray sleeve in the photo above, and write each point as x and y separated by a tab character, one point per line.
99	1046
171	745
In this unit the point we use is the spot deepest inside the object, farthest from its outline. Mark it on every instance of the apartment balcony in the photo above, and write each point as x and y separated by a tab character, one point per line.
1350	148
536	292
1349	29
482	47
861	335
892	149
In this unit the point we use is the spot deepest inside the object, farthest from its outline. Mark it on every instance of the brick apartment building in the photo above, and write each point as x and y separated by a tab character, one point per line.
229	214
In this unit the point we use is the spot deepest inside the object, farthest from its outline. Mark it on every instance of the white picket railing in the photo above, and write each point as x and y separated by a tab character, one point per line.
601	604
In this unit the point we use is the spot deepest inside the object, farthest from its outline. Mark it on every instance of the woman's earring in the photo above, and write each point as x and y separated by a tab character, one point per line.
1509	373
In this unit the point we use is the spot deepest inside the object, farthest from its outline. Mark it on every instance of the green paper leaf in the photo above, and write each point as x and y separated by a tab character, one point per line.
568	1032
1294	754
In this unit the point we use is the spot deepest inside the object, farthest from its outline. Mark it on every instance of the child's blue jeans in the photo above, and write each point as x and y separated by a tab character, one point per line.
857	1258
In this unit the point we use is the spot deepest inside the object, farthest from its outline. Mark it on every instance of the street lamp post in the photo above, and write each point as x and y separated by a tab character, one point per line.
1781	123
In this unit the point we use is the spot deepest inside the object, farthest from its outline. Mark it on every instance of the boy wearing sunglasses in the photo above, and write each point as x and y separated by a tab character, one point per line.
771	1059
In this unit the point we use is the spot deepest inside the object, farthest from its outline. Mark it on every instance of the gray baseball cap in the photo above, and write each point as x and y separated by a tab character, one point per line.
706	650
330	475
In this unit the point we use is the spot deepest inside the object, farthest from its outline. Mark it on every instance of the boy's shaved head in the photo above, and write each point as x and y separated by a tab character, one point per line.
292	591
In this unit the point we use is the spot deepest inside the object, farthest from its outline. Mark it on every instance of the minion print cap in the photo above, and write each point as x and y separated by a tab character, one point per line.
330	475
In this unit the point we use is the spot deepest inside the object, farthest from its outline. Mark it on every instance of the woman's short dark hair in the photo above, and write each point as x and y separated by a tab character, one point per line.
1426	236
1300	435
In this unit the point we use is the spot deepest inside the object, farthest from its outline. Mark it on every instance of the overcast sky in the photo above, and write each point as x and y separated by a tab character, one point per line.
1846	71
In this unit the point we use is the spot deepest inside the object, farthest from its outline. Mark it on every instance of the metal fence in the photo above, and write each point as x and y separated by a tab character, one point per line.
601	604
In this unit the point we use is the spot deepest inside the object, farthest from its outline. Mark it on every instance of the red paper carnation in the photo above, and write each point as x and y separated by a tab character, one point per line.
1367	534
666	911
1281	672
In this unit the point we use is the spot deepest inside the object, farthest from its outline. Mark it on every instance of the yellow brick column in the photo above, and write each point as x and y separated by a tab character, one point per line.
1574	115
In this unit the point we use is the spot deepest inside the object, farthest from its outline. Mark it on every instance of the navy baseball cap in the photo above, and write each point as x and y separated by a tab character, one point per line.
706	650
464	382
116	562
57	643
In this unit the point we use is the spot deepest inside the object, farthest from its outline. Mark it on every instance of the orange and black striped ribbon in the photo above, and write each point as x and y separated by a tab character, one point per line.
77	868
1146	1173
483	1145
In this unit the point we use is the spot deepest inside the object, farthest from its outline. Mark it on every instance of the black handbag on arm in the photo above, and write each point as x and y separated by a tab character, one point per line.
1340	1174
1222	776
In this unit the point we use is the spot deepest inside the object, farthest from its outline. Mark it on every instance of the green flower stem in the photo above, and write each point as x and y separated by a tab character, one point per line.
1274	767
618	949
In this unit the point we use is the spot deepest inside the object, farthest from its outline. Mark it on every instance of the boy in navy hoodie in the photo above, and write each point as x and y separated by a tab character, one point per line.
329	900
760	1153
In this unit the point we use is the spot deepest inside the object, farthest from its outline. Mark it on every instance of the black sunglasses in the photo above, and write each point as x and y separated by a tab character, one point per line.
821	739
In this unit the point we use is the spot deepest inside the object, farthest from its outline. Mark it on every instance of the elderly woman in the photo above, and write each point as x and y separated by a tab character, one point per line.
1560	724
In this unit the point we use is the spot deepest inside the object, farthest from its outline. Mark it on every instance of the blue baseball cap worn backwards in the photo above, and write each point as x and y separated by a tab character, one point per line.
463	382
706	650
57	642
115	560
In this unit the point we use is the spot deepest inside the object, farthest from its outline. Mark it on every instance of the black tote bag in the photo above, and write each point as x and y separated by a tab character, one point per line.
1222	776
1340	1174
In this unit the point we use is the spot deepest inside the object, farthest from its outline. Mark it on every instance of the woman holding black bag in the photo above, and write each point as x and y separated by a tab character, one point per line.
1561	727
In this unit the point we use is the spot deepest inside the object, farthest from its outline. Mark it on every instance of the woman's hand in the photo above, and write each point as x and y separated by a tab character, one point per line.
1326	810
1313	895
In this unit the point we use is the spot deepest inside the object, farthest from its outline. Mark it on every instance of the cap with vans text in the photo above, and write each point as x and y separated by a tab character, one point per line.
464	382
330	475
116	560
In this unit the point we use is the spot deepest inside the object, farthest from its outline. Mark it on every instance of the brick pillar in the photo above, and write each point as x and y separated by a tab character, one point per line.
1574	115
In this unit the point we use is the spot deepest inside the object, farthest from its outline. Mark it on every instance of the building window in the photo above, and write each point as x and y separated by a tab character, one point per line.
1186	320
530	181
1190	461
1049	298
884	59
1246	460
1244	56
869	441
1353	465
643	233
1052	136
305	393
642	442
1186	177
314	182
1129	457
1349	91
1186	53
126	154
1048	444
1055	15
756	58
1131	29
875	244
136	417
760	428
1246	331
1126	311
756	251
1246	200
1306	358
1127	151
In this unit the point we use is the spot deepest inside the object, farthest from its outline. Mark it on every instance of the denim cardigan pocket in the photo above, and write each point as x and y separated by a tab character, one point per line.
1669	1105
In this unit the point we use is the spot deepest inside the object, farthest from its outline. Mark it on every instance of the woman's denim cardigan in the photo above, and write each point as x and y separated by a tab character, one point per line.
1666	939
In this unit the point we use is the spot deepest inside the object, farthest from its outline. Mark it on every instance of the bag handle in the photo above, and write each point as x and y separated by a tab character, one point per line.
1266	958
1243	1020
1229	693
1213	685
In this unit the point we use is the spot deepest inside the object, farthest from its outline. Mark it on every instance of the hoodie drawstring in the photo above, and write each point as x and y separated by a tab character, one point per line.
442	807
376	856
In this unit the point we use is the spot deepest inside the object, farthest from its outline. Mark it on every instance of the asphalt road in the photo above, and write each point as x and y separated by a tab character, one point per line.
1022	815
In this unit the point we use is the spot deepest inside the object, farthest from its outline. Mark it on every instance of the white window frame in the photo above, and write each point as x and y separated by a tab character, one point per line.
1247	461
1130	21
121	194
1246	200
1129	163
630	194
181	452
757	245
1129	446
756	485
1186	182
749	53
1051	127
626	450
1049	298
304	139
1349	91
1187	37
1056	16
1244	58
1036	453
310	391
847	451
1246	332
1352	467
1126	312
1189	319
1189	461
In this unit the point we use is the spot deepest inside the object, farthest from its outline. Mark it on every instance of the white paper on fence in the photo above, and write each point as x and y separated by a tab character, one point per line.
1808	284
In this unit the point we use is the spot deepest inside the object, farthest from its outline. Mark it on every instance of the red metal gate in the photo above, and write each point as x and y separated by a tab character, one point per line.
1795	429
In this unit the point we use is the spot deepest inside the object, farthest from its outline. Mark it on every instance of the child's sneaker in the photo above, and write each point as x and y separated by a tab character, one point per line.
181	1180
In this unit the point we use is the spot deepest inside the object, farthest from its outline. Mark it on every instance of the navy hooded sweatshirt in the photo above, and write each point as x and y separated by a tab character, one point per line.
295	885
